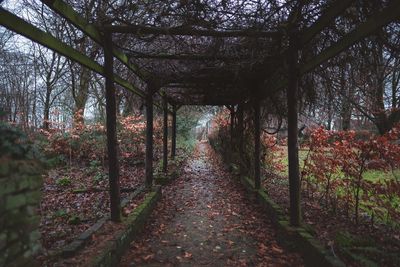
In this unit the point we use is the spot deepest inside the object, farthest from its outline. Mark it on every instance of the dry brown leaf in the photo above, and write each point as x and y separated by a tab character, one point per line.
276	249
187	255
148	257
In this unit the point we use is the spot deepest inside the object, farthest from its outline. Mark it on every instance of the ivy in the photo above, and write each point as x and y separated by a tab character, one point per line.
14	143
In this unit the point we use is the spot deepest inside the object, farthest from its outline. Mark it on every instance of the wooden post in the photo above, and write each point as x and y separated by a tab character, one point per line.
149	137
257	145
240	133
293	148
232	117
112	145
165	135
173	134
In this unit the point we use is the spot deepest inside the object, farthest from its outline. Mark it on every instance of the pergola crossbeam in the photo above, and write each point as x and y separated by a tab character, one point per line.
187	57
215	83
189	31
67	12
20	26
387	15
328	15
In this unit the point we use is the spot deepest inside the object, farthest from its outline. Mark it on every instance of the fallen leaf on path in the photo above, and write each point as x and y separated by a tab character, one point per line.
276	249
148	257
262	249
187	255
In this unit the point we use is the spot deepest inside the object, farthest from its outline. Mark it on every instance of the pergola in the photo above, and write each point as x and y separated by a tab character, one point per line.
241	80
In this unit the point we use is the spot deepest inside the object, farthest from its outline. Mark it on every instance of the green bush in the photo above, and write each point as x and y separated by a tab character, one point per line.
65	181
16	144
60	213
74	219
99	176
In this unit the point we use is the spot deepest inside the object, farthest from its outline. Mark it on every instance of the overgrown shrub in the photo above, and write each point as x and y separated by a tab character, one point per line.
81	143
15	143
335	168
219	137
335	171
86	143
132	136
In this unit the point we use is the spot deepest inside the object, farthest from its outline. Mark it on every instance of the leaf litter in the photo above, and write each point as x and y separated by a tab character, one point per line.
205	218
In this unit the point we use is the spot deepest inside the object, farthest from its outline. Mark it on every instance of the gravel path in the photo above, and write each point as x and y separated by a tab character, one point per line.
205	218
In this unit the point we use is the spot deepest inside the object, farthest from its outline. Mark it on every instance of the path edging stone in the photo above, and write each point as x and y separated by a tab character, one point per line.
297	238
164	178
135	222
77	244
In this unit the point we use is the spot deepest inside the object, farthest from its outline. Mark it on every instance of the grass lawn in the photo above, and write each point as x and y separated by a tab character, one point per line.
379	176
370	175
282	157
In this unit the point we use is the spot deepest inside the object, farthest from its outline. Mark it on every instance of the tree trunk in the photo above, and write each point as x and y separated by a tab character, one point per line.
81	96
345	112
395	83
46	109
378	105
129	104
293	146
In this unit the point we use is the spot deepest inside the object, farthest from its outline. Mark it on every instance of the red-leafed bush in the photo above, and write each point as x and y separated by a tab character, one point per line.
81	143
335	170
220	139
271	148
218	134
86	143
131	136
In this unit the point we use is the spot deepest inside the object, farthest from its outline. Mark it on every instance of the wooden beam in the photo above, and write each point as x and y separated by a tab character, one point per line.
293	147
328	15
165	135
194	89
187	57
20	26
208	102
149	138
387	15
189	31
211	75
67	12
112	144
257	144
173	133
230	108
204	85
